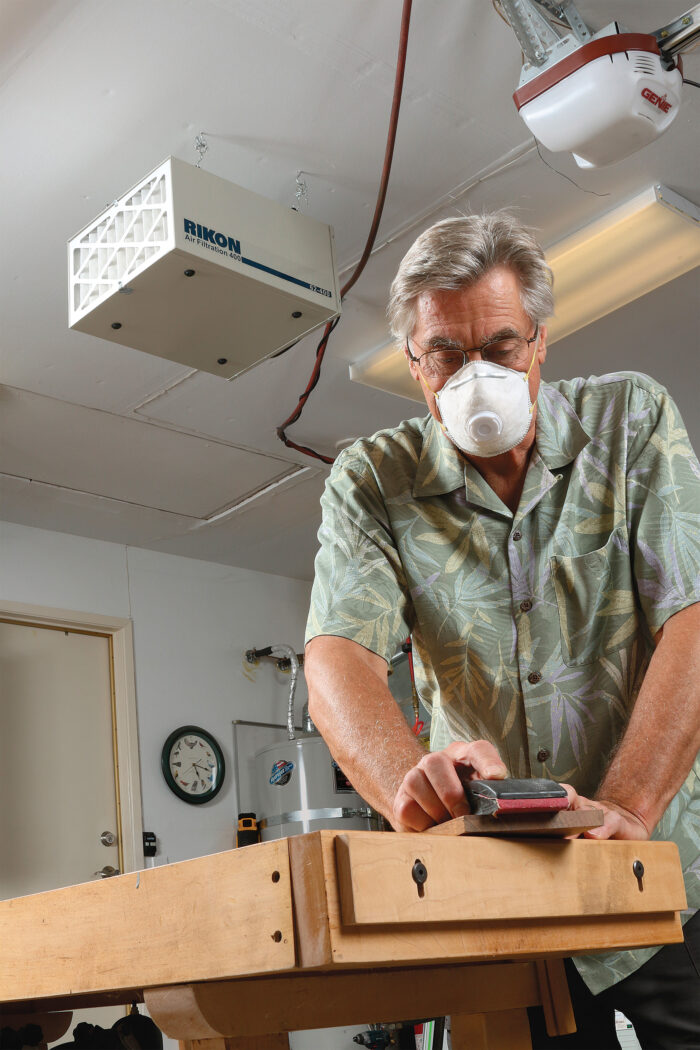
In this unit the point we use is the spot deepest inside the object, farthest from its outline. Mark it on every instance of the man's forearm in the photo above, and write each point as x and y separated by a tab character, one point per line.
351	705
663	735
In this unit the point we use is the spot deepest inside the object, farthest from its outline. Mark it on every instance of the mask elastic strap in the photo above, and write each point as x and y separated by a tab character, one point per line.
532	362
437	404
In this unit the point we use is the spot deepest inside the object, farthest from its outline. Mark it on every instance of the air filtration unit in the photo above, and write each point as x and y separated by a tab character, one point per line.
190	267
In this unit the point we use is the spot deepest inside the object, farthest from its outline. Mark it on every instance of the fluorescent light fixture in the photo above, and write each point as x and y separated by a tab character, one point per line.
650	240
386	368
630	251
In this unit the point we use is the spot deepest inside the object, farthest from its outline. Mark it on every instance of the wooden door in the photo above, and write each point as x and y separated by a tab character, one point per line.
57	764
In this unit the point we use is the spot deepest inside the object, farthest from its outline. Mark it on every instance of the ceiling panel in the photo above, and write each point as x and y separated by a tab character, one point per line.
275	533
126	459
231	411
84	370
45	506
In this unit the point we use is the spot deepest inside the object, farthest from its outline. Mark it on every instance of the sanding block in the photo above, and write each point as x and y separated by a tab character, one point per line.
508	797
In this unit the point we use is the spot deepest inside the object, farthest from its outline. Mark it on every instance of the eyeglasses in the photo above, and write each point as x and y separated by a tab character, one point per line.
443	362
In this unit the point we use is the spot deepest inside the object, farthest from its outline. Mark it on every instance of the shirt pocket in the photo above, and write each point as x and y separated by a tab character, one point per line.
582	586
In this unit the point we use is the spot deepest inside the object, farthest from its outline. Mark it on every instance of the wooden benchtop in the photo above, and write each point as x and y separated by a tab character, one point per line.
333	902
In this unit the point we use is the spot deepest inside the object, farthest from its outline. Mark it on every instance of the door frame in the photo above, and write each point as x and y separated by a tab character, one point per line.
127	772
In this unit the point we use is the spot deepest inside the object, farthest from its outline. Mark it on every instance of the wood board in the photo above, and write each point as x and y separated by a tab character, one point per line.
561	824
224	915
325	940
293	1003
501	880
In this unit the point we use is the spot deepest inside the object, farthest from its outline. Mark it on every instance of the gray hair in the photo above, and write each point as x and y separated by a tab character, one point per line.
456	253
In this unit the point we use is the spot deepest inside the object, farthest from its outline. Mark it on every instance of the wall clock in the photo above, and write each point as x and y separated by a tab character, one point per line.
193	765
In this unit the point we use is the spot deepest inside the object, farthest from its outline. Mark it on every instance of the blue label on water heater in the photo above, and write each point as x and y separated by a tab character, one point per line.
281	772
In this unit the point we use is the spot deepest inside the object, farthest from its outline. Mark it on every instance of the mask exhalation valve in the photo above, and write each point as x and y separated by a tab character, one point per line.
485	426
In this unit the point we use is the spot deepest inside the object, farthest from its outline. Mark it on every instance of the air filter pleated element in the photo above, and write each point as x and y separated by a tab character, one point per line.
192	268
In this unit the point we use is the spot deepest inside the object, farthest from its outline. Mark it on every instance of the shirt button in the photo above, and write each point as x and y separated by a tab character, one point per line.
534	677
517	536
526	605
542	754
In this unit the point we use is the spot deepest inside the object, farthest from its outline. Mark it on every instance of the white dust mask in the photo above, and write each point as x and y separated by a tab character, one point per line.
486	408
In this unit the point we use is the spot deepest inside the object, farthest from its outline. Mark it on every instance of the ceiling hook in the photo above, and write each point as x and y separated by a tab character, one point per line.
201	145
302	192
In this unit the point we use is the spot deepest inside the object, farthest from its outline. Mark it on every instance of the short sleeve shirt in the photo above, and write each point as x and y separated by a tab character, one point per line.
532	630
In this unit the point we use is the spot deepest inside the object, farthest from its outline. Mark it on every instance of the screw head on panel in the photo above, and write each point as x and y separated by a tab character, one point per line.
419	873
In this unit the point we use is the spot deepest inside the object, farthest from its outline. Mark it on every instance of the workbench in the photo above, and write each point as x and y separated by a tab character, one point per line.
234	950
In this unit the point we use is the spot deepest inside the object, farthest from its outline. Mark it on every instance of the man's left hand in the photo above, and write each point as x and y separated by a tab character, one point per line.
619	823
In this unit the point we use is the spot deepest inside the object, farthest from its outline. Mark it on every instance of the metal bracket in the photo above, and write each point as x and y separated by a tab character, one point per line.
535	33
283	663
569	13
678	35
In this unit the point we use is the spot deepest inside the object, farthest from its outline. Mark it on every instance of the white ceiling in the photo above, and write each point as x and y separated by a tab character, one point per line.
108	442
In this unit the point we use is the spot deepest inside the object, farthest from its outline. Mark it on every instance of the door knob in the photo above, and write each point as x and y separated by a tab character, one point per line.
108	872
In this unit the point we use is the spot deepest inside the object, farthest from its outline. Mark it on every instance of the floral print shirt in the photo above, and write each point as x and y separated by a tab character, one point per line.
532	630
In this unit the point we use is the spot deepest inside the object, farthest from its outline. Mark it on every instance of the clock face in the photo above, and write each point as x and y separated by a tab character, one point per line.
192	764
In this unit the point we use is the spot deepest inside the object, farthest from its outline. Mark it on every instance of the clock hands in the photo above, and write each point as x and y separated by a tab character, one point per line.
193	765
199	772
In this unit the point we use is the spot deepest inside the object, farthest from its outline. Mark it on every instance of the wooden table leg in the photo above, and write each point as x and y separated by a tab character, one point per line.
555	997
506	1030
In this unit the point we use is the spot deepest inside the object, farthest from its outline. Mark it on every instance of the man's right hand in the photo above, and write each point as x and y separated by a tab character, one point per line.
432	791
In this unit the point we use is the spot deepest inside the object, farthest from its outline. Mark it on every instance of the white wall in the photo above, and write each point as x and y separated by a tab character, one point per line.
193	622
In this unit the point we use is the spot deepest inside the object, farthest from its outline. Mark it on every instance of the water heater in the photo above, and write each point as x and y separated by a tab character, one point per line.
193	268
300	788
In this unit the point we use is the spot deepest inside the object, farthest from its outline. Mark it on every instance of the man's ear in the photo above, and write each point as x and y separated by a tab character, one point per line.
413	367
542	345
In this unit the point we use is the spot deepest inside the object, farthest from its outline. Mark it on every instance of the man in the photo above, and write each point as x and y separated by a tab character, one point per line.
540	543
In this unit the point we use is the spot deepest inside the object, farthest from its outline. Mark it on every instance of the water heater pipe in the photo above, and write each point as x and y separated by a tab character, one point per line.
294	662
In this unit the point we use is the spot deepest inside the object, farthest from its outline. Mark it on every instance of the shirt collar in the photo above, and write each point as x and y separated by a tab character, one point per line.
560	437
560	434
440	467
